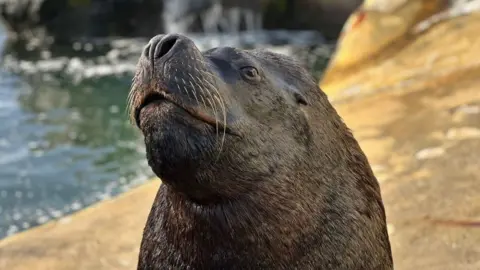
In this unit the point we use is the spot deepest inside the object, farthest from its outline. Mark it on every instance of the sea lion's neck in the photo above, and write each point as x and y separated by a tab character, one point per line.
249	232
269	226
278	223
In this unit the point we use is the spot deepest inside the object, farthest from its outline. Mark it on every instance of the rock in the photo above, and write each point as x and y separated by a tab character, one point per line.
327	16
457	8
68	20
463	133
429	153
377	45
376	25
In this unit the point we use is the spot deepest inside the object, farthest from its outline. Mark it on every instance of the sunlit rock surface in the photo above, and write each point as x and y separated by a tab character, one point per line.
419	124
378	23
413	41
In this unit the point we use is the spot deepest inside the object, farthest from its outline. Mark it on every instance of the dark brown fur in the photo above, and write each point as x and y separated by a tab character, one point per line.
276	181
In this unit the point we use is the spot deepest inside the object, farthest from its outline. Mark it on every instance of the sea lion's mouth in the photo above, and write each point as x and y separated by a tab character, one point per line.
159	97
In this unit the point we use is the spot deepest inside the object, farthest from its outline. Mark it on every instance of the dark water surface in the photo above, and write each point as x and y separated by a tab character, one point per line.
65	138
63	146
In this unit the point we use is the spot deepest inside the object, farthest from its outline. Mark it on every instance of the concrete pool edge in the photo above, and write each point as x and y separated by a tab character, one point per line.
82	213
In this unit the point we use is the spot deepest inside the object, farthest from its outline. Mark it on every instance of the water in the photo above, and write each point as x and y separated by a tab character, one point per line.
63	146
65	138
212	16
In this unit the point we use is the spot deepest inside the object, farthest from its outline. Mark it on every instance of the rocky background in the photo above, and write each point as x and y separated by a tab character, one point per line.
67	20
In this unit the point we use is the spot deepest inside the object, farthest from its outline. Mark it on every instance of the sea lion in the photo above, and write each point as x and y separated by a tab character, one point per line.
258	169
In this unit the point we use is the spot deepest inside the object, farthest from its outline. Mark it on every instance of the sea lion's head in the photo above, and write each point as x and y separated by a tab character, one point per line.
217	124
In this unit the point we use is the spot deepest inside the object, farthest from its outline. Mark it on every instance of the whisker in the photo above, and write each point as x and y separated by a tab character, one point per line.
218	97
131	98
212	105
192	90
178	86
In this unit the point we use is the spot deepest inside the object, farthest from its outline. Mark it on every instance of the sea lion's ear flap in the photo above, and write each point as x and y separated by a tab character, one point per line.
300	99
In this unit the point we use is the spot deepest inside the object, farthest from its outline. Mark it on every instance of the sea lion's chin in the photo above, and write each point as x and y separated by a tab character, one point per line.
176	142
181	167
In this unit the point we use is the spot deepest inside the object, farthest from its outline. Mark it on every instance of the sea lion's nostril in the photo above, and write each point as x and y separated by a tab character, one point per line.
146	50
159	46
164	46
150	48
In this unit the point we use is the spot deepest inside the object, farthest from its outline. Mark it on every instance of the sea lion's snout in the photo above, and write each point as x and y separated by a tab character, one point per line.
179	102
173	72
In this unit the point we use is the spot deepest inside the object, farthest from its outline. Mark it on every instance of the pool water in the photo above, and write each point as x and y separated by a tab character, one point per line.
63	146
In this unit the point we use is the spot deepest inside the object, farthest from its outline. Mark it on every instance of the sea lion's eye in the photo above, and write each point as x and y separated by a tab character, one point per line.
250	73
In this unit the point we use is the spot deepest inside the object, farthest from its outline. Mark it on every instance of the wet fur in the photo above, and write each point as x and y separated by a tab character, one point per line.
292	191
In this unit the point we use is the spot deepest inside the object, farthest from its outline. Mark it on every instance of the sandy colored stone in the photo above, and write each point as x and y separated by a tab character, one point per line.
432	203
447	48
373	27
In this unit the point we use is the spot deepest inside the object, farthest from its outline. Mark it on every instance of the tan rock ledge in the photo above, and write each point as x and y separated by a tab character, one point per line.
376	56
